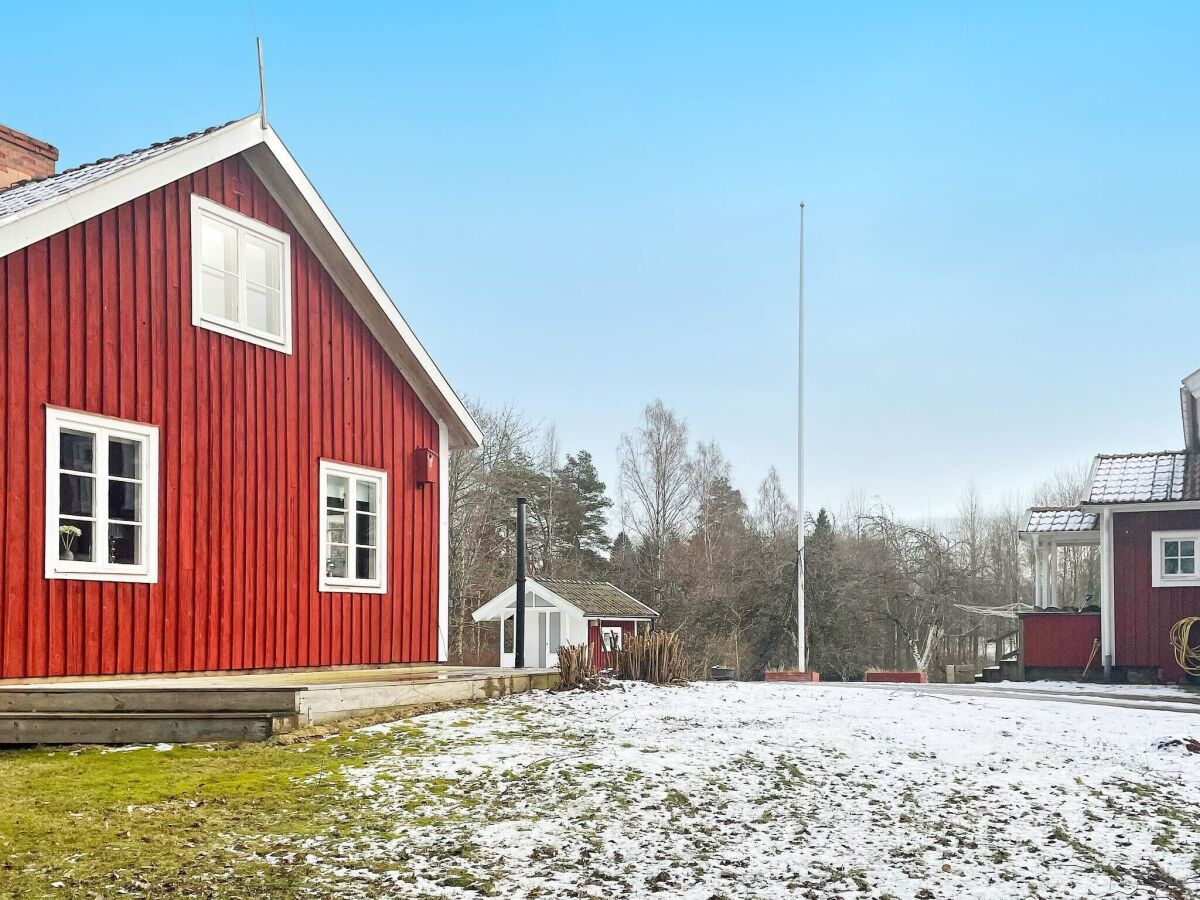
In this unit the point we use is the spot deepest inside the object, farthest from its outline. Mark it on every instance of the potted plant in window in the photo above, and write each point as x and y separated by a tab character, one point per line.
67	534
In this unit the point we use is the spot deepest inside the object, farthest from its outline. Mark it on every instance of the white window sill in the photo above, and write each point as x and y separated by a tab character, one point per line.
231	329
1175	581
117	575
351	588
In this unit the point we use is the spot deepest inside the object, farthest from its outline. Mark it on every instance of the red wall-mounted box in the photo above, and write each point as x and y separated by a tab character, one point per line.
427	466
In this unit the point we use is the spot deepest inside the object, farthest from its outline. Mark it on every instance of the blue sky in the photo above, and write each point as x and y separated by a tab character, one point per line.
581	207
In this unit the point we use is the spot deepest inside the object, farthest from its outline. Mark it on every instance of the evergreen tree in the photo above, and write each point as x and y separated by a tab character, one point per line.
583	507
622	568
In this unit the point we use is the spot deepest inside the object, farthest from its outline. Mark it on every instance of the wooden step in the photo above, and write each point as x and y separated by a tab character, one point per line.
167	700
141	727
1010	670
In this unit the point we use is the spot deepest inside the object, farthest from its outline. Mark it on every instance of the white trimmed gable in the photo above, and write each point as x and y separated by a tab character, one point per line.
35	210
498	606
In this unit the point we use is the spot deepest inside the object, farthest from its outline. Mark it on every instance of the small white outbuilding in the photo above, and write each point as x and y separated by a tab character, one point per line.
559	611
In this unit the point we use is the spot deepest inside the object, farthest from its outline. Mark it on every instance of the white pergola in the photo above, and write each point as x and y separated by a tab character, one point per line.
1046	529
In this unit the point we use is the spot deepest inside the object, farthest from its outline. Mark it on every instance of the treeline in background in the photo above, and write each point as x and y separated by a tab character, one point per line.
720	567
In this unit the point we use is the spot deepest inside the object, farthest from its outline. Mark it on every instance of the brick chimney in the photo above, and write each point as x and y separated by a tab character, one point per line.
24	157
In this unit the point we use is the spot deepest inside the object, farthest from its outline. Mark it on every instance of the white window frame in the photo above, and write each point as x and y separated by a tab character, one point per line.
327	583
102	428
504	620
202	208
607	631
1159	578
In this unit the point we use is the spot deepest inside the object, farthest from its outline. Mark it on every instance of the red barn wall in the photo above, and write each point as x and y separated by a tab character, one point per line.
599	655
1059	640
98	318
1144	614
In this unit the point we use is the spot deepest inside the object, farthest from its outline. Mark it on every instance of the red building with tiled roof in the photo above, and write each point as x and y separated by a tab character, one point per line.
1143	512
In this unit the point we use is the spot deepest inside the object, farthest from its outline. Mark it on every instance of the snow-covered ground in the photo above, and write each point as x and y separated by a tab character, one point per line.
1163	691
764	790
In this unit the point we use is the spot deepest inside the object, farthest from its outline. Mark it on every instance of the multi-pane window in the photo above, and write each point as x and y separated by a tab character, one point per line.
1175	558
241	274
612	636
353	528
1179	557
101	498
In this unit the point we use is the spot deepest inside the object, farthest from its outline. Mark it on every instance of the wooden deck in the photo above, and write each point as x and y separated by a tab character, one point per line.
253	706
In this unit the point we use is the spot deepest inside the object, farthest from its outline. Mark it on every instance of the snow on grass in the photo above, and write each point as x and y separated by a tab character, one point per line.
759	790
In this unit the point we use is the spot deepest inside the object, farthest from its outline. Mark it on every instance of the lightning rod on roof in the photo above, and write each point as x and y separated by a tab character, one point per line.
262	88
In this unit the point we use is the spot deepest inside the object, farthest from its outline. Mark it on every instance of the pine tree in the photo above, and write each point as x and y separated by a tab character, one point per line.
583	508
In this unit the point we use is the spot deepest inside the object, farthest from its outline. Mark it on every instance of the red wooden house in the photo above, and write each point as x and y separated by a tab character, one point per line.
222	448
1143	512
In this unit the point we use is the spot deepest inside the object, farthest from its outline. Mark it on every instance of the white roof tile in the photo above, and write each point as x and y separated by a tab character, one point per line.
1059	519
1144	478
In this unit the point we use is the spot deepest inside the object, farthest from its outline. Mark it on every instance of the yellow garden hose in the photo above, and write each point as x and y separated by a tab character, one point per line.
1187	655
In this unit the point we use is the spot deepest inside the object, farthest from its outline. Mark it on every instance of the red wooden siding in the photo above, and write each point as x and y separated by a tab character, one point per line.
1059	640
599	655
896	677
98	318
1145	614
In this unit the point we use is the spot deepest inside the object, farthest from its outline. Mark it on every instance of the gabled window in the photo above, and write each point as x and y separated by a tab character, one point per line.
1175	562
241	276
353	528
101	498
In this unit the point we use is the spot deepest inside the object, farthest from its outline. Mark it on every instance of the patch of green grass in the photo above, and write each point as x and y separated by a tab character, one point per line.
1165	839
460	878
1138	790
192	821
676	799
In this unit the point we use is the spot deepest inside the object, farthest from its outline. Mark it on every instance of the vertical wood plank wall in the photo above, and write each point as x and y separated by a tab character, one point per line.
1144	614
98	318
599	654
1059	639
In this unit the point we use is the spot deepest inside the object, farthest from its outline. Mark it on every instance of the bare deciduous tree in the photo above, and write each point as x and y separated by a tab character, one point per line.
656	484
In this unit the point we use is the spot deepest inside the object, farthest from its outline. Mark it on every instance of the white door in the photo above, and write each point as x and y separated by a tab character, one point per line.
549	634
543	634
543	639
508	645
553	636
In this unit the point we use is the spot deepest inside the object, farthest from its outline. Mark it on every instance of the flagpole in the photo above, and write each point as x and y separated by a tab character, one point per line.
801	649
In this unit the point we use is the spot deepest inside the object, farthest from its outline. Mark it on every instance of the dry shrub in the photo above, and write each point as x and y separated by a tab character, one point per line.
655	657
578	671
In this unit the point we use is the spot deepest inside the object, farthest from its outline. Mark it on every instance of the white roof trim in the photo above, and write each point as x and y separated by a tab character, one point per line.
654	614
296	194
1142	506
39	221
1192	383
495	608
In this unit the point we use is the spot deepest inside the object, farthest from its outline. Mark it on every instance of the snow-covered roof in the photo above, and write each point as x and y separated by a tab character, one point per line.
1058	519
33	191
1169	476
